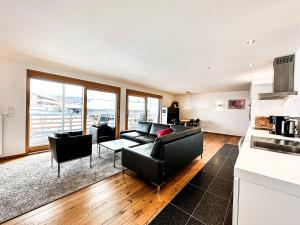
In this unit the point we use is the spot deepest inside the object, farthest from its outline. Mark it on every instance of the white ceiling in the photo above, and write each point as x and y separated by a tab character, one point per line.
164	45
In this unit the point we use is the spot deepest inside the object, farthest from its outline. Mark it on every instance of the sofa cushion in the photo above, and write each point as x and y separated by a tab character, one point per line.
178	128
132	135
157	127
164	140
143	127
164	132
143	149
145	139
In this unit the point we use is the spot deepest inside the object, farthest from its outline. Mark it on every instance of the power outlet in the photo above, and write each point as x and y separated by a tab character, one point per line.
10	112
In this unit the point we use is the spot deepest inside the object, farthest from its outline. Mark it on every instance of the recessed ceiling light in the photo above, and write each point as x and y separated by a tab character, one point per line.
250	65
250	42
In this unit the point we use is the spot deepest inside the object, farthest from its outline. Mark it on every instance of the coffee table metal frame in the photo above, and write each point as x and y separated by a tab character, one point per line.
116	146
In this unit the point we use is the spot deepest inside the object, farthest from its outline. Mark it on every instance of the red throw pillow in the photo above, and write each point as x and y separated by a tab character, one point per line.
164	132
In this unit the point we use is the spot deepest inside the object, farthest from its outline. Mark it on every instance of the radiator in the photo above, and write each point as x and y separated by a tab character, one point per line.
1	133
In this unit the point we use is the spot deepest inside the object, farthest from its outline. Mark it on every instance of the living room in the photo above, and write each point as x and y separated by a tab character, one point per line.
149	112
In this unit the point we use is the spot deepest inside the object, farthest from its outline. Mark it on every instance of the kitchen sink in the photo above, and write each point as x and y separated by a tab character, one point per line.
276	145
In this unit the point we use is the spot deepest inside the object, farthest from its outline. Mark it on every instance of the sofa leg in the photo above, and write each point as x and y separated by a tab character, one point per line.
158	187
91	165
123	169
51	160
201	156
58	170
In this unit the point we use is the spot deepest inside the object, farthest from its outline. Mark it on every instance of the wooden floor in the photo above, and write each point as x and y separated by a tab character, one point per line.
121	199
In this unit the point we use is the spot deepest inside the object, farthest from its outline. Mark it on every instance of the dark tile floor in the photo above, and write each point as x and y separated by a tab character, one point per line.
207	198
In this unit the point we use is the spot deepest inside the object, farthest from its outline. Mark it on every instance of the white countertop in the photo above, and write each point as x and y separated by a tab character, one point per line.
271	169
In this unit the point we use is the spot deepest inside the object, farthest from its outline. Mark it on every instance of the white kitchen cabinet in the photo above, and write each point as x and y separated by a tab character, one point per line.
258	205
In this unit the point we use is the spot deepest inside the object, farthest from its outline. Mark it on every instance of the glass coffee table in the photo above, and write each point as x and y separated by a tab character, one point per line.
116	146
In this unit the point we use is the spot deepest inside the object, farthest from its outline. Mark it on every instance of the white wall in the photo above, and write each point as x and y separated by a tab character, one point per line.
264	107
213	118
292	104
282	107
13	94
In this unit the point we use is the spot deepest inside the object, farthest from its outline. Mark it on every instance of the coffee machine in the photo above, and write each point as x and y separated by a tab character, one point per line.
277	124
288	128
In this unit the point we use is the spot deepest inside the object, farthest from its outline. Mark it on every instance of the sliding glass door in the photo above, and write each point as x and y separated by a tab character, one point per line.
73	108
101	108
53	107
142	107
56	103
136	111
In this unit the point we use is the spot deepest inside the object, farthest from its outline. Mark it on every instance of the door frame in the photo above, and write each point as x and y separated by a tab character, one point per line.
33	74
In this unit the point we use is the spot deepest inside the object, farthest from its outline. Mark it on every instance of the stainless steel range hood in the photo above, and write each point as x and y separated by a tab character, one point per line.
283	85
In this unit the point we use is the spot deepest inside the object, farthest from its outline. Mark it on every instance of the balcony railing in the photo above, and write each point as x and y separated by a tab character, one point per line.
41	126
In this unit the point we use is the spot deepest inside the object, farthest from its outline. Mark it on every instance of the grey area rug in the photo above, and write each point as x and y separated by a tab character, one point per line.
31	182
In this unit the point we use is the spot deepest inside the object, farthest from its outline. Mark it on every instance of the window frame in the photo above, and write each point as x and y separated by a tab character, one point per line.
87	85
144	95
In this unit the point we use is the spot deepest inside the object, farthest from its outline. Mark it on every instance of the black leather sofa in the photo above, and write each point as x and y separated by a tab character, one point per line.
69	146
160	160
146	132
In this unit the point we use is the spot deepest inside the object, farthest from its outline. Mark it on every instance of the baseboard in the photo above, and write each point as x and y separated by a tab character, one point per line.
230	135
7	158
12	157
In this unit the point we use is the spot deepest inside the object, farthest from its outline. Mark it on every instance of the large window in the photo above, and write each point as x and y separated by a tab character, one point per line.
53	107
101	108
56	103
142	107
153	110
136	111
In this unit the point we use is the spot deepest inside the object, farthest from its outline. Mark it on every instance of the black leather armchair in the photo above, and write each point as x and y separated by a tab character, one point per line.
102	133
70	146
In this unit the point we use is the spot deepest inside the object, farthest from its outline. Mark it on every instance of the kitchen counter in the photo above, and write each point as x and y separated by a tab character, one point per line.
266	185
270	169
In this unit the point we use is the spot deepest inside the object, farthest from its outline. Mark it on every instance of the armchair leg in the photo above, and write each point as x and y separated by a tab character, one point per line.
123	169
201	156
99	151
91	166
51	160
158	189
58	170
